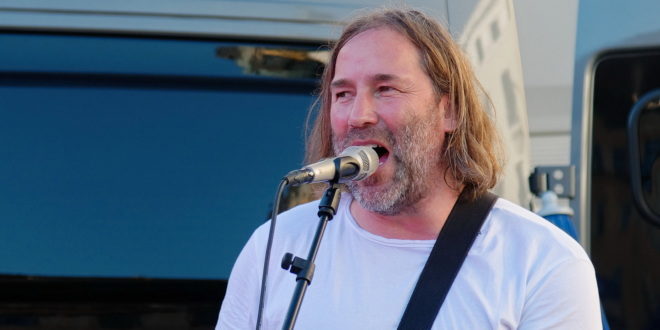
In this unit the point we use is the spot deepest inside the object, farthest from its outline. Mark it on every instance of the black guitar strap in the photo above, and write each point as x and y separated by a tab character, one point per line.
447	256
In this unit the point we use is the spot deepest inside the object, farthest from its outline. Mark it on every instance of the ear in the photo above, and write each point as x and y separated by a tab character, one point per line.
449	114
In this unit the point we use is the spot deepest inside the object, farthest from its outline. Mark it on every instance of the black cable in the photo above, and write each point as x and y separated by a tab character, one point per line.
271	233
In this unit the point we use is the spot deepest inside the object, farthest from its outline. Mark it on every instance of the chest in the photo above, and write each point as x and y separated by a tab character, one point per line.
360	285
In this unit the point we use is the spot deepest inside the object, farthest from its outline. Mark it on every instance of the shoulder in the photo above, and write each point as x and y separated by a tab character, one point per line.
537	262
524	233
551	272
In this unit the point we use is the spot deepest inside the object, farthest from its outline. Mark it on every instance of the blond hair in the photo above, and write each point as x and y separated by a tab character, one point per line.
472	152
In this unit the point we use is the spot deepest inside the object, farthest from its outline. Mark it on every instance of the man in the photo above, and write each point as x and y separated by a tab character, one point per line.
397	80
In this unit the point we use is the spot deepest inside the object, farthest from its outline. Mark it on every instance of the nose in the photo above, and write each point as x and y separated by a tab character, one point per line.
363	112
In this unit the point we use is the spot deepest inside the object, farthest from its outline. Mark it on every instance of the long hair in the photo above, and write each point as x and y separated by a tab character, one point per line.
472	153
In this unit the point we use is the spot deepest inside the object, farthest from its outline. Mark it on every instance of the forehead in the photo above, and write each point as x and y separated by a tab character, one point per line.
378	51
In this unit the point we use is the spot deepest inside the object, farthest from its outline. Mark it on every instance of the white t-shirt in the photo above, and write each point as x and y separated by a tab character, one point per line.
521	273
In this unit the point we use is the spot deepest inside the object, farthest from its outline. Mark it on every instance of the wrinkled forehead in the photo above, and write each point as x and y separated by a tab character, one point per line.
379	51
384	30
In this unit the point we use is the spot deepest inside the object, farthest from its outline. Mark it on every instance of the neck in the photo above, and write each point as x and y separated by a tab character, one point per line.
422	221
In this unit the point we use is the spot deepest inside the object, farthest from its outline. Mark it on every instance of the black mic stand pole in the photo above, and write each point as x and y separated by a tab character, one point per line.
304	268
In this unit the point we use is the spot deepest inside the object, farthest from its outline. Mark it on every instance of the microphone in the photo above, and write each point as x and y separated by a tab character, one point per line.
353	164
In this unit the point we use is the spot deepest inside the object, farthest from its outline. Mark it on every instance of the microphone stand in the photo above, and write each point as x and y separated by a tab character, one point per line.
304	268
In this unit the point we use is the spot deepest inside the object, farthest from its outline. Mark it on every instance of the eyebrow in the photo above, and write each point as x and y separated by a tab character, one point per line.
381	77
340	83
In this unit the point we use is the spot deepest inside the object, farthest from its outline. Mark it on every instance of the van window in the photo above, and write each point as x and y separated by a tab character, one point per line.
129	157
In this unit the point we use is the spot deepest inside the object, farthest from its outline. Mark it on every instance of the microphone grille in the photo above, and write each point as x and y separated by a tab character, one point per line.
365	160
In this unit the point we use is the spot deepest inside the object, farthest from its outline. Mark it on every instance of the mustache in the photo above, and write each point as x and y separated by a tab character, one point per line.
363	133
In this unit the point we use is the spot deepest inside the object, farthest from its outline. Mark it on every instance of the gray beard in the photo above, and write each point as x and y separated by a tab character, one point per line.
416	153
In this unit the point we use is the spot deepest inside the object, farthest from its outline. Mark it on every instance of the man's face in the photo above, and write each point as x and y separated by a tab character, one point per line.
381	95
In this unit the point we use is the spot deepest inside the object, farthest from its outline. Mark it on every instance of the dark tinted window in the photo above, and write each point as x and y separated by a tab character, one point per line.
625	243
142	157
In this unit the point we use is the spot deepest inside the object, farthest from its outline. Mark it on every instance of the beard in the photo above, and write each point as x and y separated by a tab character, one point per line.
415	150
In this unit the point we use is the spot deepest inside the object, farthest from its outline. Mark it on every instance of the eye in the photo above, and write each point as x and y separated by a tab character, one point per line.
340	96
386	90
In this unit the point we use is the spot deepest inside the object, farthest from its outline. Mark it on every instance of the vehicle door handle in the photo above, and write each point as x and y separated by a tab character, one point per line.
634	157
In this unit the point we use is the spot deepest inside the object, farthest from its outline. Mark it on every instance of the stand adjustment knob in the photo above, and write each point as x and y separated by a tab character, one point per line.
287	261
296	265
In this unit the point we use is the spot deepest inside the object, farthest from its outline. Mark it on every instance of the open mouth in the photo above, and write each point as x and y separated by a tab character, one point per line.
382	153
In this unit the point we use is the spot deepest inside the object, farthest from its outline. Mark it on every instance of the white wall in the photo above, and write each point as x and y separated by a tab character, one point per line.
547	32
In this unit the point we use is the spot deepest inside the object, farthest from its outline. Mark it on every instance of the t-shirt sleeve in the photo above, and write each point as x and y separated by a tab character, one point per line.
564	298
239	307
